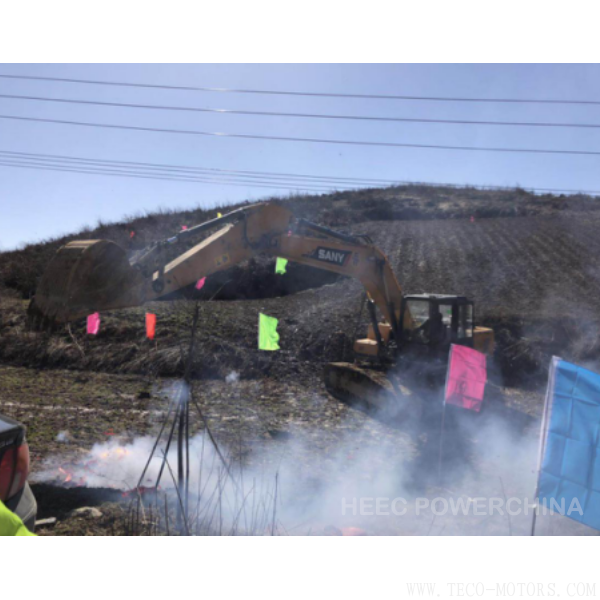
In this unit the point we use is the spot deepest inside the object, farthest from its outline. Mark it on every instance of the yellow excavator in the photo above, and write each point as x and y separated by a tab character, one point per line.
87	276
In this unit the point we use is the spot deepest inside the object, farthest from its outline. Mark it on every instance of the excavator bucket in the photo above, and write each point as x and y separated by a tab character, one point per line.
372	389
85	276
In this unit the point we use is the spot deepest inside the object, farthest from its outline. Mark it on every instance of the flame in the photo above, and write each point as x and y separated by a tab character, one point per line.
121	452
68	476
67	472
118	453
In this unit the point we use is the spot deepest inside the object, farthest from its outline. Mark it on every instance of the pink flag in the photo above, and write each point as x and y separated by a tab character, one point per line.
200	283
183	227
472	219
467	374
93	324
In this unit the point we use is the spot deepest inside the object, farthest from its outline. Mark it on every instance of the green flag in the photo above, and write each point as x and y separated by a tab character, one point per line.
280	266
268	337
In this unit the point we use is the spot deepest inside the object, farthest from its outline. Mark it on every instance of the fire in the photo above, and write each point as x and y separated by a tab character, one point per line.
119	453
66	472
68	476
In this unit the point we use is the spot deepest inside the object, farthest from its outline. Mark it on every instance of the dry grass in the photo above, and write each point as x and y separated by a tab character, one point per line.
21	269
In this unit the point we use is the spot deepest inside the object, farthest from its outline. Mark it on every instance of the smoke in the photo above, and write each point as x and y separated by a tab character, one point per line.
336	476
233	377
63	437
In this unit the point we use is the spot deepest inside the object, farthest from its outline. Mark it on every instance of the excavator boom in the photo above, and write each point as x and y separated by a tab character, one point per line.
95	275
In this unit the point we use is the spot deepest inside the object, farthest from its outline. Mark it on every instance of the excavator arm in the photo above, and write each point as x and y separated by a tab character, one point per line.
274	231
90	276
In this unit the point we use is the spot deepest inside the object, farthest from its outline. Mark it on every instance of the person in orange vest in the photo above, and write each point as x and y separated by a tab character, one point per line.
11	524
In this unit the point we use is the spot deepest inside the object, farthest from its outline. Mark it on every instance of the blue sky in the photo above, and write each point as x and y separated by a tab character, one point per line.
40	204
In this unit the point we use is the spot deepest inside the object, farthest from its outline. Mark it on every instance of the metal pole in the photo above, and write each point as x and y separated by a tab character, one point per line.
441	444
180	440
180	458
187	457
444	416
543	435
168	446
156	441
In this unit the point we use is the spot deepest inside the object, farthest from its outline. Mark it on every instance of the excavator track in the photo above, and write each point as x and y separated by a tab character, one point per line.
371	388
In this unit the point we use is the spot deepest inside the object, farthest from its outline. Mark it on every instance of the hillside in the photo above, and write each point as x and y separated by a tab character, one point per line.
528	262
20	269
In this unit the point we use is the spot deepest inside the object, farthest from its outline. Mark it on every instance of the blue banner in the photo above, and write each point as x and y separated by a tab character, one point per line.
570	474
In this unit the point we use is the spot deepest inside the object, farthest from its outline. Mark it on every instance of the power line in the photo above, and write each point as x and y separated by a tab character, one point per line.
299	139
210	170
299	93
142	175
229	111
130	168
178	174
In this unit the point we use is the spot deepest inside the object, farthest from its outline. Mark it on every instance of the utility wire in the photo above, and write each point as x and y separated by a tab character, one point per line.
214	175
204	170
194	172
298	93
142	175
299	139
229	111
269	174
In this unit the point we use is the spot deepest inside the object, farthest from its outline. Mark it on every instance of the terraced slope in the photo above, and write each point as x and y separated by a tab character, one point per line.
535	279
539	266
529	262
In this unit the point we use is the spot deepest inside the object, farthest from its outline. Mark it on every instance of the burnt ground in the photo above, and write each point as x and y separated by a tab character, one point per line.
530	268
273	425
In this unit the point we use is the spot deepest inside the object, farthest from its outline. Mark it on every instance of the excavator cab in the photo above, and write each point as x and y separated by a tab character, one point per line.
438	321
430	323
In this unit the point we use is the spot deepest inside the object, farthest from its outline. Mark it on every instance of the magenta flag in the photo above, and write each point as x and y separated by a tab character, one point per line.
93	324
467	375
200	283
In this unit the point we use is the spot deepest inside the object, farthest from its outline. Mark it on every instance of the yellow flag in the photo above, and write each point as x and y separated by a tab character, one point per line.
219	215
11	524
280	266
268	338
